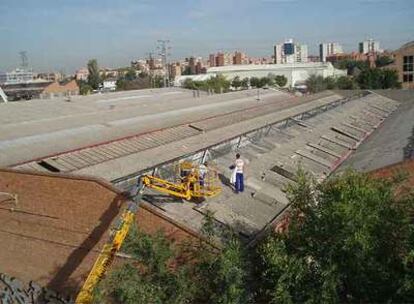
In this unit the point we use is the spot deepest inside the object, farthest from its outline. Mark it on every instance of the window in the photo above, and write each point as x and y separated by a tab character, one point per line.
408	68
408	77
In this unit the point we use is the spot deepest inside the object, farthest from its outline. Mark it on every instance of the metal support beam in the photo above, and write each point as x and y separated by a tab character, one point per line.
3	96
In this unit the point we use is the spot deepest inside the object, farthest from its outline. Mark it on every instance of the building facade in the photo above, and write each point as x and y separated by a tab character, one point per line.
290	52
369	46
328	49
15	77
82	74
296	73
404	65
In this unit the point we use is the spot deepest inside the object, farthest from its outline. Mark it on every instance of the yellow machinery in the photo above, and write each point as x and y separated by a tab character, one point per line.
107	255
193	182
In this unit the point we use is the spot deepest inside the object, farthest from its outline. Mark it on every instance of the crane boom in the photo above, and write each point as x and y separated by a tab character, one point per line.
107	255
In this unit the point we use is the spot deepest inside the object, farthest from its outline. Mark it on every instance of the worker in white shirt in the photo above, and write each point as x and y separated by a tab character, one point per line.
239	168
202	169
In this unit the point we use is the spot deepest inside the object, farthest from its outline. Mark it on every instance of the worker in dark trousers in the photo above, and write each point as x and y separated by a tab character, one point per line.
239	168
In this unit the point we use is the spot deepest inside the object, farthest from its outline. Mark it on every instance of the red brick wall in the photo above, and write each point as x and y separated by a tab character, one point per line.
57	228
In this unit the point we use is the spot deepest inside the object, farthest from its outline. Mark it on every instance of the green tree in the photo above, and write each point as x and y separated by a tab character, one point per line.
350	240
330	82
236	82
315	84
245	83
389	79
84	87
280	80
346	83
130	74
94	78
255	82
382	61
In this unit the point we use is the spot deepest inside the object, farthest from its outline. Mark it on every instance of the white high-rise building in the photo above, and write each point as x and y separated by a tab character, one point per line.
369	46
290	52
327	49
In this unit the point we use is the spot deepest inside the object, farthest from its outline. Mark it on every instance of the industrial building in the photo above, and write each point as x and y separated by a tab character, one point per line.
295	73
69	167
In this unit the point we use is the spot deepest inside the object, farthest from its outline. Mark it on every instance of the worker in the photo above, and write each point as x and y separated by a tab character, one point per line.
239	168
202	169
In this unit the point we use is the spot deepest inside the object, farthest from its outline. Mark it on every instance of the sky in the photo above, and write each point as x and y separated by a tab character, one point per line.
61	35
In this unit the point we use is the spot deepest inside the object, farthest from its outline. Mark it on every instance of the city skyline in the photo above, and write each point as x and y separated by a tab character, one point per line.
58	35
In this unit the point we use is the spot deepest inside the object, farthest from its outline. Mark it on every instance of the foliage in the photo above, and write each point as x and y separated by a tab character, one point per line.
84	87
94	78
383	61
351	65
350	240
345	83
236	82
156	276
281	80
245	83
130	74
378	79
316	84
217	84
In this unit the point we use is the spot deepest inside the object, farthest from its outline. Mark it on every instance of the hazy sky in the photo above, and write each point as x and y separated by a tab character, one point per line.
64	34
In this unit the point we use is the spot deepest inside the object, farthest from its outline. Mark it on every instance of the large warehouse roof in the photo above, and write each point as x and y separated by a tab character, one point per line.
38	129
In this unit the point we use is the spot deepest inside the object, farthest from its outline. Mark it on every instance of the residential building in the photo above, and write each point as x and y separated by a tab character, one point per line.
219	60
192	65
347	56
109	84
328	49
212	60
404	65
174	70
82	74
313	58
368	46
239	58
16	76
57	89
290	52
50	76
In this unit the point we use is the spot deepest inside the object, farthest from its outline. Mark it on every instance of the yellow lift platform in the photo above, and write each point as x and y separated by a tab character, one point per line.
193	182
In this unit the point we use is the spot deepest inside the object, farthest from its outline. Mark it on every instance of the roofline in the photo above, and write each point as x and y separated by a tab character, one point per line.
102	182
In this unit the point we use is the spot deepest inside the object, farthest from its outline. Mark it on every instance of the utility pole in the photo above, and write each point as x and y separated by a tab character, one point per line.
164	48
150	63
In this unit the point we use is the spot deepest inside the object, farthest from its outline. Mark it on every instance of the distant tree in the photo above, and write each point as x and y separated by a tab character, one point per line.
315	84
351	65
346	83
94	78
389	79
330	83
130	74
245	83
236	82
281	81
85	89
382	61
349	240
255	82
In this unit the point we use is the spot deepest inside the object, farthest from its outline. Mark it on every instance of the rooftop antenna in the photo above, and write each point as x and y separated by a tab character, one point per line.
164	53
